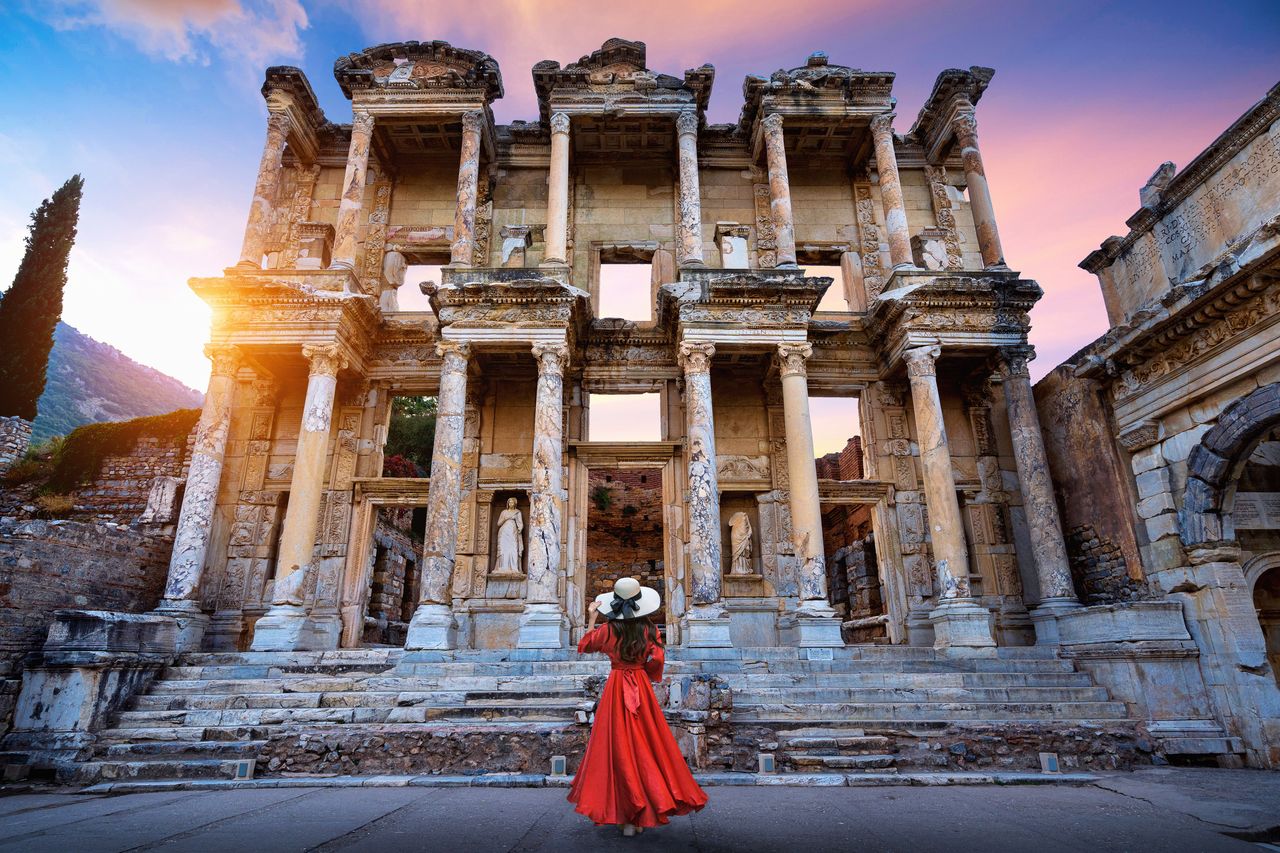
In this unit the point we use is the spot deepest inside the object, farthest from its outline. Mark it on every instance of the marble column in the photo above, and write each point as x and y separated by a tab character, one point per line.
557	251
199	499
957	620
432	626
689	227
287	626
265	191
461	252
1048	549
344	241
784	230
965	127
543	625
895	209
816	620
707	620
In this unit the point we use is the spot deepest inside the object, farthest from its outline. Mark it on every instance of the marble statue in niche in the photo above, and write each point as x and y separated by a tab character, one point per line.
510	548
740	544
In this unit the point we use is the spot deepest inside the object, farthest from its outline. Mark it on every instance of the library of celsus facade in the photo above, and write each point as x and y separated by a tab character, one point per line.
927	332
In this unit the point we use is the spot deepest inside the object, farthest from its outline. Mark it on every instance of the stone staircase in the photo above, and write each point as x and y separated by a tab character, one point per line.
368	711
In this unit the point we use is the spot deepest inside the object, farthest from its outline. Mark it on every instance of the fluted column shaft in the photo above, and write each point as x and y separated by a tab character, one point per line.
689	244
461	252
965	127
1038	502
895	208
344	241
806	511
298	539
191	542
445	493
558	193
548	463
704	486
946	529
265	190
784	230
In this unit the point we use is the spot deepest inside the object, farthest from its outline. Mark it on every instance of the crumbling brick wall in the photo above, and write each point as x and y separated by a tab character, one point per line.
119	492
845	465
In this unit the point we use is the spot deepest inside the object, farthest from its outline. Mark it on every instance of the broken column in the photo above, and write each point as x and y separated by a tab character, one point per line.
461	251
191	541
779	190
707	620
689	224
557	237
432	626
816	621
266	188
543	624
957	620
344	241
287	625
895	209
965	127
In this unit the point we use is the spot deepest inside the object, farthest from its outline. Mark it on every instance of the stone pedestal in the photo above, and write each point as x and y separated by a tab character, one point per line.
353	183
779	190
557	234
543	624
706	627
432	626
813	624
961	624
189	624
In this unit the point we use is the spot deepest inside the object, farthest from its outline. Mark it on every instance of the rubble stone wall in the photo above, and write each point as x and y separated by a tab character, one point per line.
119	492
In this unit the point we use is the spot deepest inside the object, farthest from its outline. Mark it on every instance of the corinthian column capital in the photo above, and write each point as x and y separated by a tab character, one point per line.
552	358
696	357
454	354
560	123
279	122
793	358
687	124
472	121
772	123
1014	361
965	127
226	359
883	123
922	361
362	122
325	359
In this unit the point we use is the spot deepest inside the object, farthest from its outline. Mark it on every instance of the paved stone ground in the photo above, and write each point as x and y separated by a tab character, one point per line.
1151	810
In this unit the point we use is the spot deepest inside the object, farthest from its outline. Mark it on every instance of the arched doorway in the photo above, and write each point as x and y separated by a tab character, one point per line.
1255	513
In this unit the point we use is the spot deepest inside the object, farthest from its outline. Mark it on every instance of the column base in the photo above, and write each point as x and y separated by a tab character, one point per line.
432	627
289	628
225	630
706	627
190	623
543	626
813	624
1045	619
960	623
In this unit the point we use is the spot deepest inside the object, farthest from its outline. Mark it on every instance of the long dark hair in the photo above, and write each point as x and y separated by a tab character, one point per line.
634	637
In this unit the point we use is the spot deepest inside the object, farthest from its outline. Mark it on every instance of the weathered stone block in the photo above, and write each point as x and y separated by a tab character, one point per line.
1152	482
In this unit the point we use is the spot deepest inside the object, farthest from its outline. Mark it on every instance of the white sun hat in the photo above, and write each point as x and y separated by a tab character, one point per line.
629	600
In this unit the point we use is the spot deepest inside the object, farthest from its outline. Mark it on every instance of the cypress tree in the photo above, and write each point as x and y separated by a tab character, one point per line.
32	306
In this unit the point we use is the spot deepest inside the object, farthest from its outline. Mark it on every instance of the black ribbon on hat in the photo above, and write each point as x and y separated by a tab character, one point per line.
619	606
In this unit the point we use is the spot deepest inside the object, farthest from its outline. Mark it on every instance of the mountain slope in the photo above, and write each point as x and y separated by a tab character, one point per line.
90	381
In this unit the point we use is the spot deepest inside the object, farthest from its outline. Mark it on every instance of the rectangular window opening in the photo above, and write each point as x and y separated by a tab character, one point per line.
410	295
625	417
626	291
837	441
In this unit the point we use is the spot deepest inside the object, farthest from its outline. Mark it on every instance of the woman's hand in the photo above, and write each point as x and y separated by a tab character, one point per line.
593	607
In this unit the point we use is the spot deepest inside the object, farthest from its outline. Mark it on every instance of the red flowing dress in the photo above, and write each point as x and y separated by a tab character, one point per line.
633	771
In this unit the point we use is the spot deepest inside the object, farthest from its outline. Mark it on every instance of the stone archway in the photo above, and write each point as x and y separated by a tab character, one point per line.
1263	576
1216	461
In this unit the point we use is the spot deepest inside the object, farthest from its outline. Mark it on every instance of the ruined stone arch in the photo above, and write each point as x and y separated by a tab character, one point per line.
1216	462
1258	566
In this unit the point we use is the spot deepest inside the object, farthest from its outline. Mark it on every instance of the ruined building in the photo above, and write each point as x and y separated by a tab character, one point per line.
912	589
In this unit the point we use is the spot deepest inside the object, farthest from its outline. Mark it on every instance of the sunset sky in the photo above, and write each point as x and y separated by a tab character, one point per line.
156	103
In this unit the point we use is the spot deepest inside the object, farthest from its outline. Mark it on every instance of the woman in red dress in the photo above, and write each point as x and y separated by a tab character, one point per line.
633	773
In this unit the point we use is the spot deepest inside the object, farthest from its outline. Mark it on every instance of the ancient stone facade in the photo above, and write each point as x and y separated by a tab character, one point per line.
934	563
1162	433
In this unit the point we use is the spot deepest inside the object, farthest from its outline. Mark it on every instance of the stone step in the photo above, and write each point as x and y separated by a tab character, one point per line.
888	712
149	749
341	684
166	701
923	693
545	710
842	762
843	744
180	768
231	733
933	679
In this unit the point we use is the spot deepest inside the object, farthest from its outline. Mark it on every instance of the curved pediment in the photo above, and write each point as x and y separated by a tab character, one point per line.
412	65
